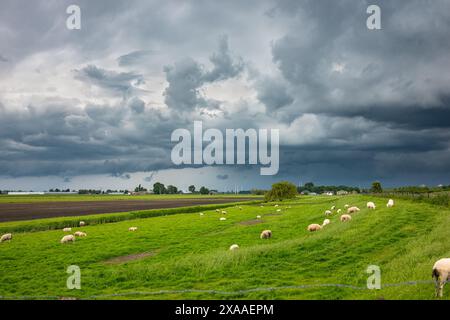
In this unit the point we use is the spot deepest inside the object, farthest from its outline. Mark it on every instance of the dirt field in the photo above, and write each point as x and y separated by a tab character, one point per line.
28	211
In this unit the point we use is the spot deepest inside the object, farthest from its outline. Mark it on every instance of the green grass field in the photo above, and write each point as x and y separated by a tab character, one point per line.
105	197
189	254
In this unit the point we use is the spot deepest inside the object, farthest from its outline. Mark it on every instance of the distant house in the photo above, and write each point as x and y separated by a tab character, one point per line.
25	193
342	193
328	193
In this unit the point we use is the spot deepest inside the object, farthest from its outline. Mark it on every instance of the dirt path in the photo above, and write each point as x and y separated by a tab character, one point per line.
38	210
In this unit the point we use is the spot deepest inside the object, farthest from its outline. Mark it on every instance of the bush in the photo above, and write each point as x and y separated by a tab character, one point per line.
280	191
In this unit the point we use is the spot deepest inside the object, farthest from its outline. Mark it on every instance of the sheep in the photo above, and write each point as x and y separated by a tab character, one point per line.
234	247
223	219
370	205
278	210
333	207
346	217
132	229
339	210
346	206
441	274
325	222
224	212
328	212
390	203
6	237
67	229
82	223
217	210
266	234
314	227
202	214
68	238
258	217
80	234
353	210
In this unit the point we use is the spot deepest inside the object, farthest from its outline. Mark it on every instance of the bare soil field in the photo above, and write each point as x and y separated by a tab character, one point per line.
28	211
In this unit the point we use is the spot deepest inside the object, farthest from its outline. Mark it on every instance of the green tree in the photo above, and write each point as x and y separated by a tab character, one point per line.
139	188
204	190
159	188
191	188
280	191
376	187
172	189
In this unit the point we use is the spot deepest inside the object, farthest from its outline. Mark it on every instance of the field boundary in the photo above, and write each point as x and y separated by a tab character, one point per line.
221	292
102	218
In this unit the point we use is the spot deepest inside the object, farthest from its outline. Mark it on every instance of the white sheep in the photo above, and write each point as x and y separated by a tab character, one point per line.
67	229
202	214
346	206
258	217
82	223
441	274
390	203
234	247
6	237
346	217
314	227
339	210
132	229
223	219
80	234
325	222
353	210
370	205
328	212
266	234
68	238
223	212
278	210
333	207
276	206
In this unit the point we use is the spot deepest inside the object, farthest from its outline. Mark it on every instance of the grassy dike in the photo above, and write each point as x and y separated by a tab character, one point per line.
187	256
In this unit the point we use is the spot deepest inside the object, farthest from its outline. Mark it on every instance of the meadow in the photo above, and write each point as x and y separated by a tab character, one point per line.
186	255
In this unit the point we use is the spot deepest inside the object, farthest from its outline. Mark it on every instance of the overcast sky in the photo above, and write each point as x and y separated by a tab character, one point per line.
96	107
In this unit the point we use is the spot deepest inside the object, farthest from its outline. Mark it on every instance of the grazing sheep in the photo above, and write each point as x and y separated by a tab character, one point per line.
68	238
201	213
333	207
370	205
390	203
441	274
339	210
278	210
258	217
240	208
276	206
314	227
328	212
346	206
224	212
132	229
353	210
67	229
223	219
217	210
82	223
266	234
80	234
234	247
6	237
325	222
346	217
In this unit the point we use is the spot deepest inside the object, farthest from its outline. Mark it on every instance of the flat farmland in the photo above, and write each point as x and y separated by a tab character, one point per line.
15	211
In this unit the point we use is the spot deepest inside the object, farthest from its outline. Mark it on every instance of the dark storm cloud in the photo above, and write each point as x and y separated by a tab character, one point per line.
122	82
222	176
353	105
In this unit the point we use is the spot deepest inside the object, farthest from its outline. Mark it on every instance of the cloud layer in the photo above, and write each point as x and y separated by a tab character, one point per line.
352	104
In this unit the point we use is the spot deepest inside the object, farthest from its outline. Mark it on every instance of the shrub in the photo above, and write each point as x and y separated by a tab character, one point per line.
280	191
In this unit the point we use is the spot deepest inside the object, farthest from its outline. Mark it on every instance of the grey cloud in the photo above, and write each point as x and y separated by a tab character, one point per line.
135	57
222	176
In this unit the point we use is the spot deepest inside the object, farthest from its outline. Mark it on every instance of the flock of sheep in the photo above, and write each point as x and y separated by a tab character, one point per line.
441	269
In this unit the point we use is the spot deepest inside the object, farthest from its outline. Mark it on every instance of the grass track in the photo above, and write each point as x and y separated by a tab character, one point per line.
191	252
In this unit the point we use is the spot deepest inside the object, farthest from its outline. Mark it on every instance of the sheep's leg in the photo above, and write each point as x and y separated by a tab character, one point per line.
443	280
437	286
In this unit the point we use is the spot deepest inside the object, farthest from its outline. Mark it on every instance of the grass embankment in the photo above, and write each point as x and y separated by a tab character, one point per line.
190	252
